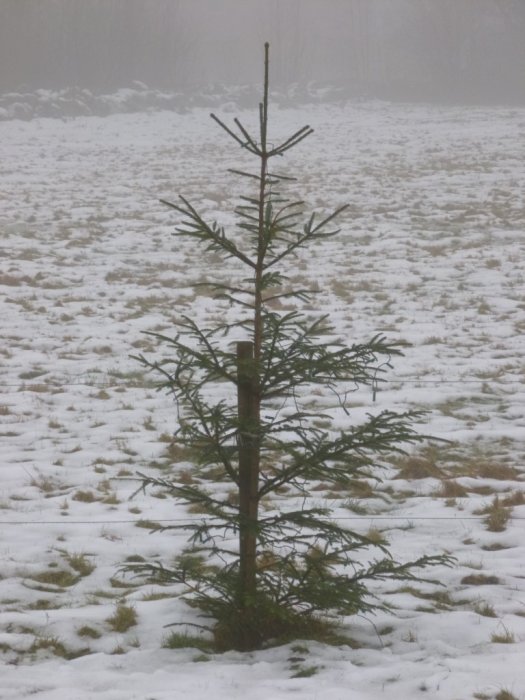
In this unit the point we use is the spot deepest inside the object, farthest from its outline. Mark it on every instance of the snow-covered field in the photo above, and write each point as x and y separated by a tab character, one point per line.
432	251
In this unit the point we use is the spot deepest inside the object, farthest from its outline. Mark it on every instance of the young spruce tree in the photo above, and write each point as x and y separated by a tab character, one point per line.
288	569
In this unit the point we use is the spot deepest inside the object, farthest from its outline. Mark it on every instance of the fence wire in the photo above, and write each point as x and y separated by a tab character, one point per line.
373	518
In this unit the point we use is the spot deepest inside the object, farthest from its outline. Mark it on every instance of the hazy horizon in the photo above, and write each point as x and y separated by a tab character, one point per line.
462	50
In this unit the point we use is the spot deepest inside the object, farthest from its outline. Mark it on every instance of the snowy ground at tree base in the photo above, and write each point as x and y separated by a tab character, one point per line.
431	251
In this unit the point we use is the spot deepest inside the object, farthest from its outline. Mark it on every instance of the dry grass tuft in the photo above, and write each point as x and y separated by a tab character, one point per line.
516	498
451	489
148	525
87	631
484	609
47	484
413	467
495	547
124	617
480	580
56	577
80	564
85	496
52	644
504	637
376	536
493	470
505	694
497	515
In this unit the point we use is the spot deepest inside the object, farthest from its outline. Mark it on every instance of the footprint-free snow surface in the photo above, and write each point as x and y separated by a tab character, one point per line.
431	251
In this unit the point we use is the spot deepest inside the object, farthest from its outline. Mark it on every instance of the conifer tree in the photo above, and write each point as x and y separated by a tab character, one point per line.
244	413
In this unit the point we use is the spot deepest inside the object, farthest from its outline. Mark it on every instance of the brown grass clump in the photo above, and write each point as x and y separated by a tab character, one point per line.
124	617
56	577
505	637
81	564
485	609
85	496
493	470
482	490
413	467
516	498
505	694
87	631
360	488
497	515
480	580
495	547
497	520
451	489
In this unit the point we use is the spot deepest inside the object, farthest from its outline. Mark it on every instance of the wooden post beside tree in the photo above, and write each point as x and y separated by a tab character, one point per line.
248	446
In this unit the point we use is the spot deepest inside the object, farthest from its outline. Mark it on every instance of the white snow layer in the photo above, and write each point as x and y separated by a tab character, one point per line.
431	251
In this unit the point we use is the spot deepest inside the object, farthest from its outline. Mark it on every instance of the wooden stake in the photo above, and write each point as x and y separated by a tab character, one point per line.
248	444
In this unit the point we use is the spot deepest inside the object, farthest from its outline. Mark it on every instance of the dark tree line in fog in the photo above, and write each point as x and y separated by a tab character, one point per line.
411	49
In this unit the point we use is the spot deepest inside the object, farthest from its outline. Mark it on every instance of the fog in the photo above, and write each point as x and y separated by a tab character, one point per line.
460	50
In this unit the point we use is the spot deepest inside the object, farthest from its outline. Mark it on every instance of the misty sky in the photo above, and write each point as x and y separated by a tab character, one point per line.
462	50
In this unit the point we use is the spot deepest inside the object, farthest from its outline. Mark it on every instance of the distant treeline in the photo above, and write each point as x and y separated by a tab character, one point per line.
461	50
